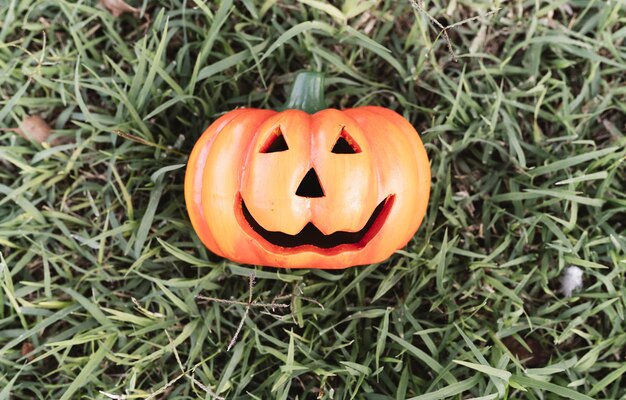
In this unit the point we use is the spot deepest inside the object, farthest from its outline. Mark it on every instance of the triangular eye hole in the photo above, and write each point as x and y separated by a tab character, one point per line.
275	143
345	144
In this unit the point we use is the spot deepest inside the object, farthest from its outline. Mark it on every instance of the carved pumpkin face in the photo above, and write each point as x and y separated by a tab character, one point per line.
289	189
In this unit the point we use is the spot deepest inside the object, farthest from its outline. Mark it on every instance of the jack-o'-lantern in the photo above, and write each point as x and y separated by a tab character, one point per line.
307	189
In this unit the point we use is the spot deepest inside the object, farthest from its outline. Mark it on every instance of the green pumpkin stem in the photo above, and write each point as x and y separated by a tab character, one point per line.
307	92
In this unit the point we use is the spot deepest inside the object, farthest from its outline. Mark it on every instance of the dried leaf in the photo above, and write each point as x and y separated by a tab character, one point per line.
118	7
27	348
35	128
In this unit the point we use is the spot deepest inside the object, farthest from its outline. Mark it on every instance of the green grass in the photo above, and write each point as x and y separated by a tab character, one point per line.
100	266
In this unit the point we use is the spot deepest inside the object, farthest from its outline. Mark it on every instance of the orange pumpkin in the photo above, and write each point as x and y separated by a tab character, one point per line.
291	189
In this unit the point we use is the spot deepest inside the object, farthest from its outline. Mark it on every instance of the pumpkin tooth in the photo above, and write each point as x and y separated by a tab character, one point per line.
310	235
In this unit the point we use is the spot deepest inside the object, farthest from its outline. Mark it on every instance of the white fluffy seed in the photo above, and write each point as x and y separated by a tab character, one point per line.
571	280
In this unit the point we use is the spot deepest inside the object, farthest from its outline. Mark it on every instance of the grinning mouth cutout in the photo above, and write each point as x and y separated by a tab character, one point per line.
311	238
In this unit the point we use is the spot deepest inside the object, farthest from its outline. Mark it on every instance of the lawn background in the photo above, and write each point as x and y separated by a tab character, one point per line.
101	269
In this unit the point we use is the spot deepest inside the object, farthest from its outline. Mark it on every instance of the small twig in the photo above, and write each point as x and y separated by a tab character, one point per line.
465	21
239	327
180	364
143	141
419	6
250	287
291	296
222	301
248	305
270	305
186	374
205	388
39	61
165	387
245	313
243	303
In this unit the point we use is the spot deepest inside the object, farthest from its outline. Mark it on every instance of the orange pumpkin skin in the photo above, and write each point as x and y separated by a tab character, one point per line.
241	198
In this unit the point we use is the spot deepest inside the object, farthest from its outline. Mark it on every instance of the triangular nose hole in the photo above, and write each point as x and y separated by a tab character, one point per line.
310	186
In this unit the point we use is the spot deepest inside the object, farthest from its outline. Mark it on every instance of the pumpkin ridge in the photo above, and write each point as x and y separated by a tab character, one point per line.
418	150
225	129
194	171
